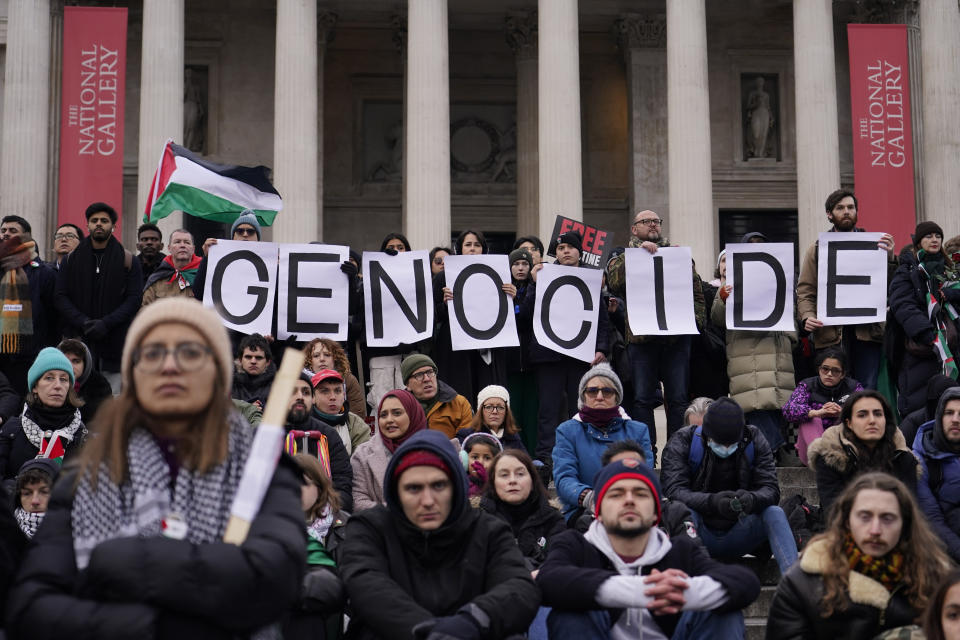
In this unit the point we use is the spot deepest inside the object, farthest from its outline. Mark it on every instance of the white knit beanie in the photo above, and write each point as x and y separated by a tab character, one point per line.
183	311
492	391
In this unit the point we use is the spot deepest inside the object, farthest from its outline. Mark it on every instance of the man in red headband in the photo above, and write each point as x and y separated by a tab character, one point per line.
427	565
625	578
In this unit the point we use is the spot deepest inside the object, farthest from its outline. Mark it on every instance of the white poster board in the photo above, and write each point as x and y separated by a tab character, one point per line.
241	284
851	278
761	275
566	310
398	298
660	292
313	297
481	313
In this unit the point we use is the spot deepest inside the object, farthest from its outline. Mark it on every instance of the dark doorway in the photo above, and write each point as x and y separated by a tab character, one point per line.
498	242
779	225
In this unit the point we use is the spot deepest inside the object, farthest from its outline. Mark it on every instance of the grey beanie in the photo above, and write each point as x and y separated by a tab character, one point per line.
602	370
247	216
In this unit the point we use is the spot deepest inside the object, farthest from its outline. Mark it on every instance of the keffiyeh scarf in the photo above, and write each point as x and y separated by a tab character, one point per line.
319	528
39	437
942	286
138	506
28	521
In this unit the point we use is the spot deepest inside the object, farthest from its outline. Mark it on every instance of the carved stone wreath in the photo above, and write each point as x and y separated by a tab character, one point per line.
474	145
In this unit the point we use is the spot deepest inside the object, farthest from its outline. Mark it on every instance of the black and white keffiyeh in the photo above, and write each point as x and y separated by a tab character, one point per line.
28	521
35	433
319	528
138	506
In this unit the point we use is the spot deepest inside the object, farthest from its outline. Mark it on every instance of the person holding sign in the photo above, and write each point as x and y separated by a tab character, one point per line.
926	276
246	228
558	375
132	544
760	369
656	359
861	343
467	371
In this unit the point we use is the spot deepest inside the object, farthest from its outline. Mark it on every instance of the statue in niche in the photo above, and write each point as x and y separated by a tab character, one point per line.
759	120
505	164
391	171
194	112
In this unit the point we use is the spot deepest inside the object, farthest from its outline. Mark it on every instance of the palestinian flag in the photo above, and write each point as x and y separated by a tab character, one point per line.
217	192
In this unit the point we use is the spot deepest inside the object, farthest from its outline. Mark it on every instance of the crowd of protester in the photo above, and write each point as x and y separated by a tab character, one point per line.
494	493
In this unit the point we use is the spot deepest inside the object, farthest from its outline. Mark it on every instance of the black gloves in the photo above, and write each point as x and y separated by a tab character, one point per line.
721	504
469	623
747	501
350	269
94	330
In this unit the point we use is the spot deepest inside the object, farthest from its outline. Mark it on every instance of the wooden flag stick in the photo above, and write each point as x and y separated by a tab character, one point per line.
265	450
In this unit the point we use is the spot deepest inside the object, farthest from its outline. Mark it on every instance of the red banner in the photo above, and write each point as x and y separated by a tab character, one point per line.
91	111
882	137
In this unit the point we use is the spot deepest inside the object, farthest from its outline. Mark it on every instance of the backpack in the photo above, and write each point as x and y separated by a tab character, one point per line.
804	518
695	458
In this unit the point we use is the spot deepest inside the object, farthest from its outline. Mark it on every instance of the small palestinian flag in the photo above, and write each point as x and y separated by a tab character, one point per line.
217	192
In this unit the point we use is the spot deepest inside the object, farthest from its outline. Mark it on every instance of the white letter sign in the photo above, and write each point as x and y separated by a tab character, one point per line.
481	314
398	298
313	297
660	292
851	278
761	275
241	283
565	313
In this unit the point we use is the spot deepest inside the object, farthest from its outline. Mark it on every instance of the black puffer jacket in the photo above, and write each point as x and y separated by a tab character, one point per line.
907	300
833	456
534	532
16	448
716	474
797	612
399	576
154	588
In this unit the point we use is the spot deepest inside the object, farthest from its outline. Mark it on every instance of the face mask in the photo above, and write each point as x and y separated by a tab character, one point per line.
722	451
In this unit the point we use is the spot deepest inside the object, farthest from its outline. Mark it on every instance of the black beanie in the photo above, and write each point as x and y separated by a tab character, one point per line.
723	422
923	229
572	238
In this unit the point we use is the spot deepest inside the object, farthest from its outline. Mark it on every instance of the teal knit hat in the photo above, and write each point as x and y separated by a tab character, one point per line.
49	359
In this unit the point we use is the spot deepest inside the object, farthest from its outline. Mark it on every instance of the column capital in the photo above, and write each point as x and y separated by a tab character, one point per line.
521	32
638	31
326	27
398	22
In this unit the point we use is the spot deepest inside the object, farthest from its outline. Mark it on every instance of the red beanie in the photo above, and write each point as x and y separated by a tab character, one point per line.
421	458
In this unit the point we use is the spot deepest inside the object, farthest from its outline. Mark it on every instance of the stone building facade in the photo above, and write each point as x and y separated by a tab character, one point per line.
432	116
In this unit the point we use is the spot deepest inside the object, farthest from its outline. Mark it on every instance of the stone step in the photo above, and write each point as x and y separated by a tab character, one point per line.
760	607
799	476
766	570
756	628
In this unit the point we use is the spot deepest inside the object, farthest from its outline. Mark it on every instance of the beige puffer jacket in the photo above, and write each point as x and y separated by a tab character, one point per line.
759	364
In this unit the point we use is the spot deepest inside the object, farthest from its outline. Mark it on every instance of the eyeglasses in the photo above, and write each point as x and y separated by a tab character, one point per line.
607	392
438	261
650	222
830	371
245	231
66	236
494	408
419	376
189	356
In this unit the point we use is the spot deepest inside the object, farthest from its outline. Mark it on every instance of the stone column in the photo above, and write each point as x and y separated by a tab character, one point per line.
818	142
24	152
45	241
940	46
560	161
522	38
691	219
642	39
161	97
426	165
296	122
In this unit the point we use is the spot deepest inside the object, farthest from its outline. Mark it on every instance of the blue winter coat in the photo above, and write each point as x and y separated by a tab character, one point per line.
940	504
577	454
